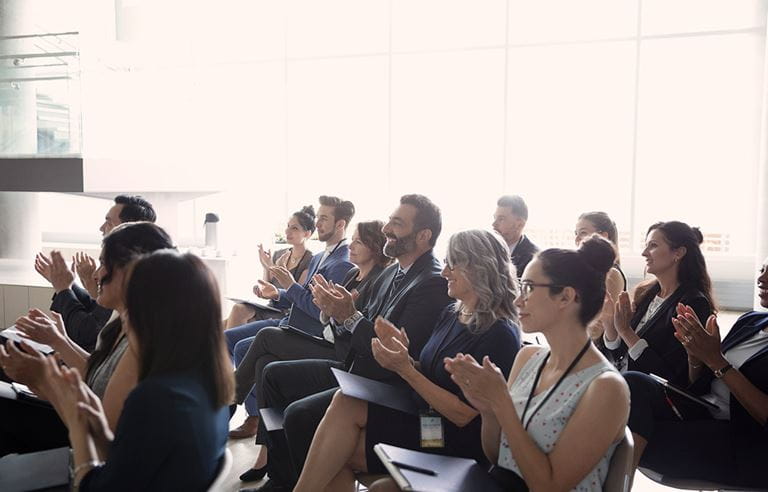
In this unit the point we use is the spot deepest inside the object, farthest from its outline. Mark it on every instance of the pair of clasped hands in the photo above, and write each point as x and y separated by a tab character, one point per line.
61	276
702	343
279	272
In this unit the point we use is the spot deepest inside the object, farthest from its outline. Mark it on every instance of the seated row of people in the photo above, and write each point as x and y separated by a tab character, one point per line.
466	313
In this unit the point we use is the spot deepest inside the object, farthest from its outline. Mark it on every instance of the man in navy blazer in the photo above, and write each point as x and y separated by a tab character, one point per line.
410	293
333	217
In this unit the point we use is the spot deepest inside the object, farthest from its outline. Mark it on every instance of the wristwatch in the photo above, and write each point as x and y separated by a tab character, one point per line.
721	372
349	323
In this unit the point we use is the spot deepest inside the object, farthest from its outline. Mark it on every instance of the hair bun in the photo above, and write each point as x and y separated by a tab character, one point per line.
597	253
697	234
309	210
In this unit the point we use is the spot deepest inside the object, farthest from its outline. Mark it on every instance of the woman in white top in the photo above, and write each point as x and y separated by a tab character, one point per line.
561	402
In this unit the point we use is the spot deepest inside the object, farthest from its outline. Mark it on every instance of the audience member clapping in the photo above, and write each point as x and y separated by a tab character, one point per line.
726	444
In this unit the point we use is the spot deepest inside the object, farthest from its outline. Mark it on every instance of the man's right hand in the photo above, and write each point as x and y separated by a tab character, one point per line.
43	266
62	276
266	290
85	267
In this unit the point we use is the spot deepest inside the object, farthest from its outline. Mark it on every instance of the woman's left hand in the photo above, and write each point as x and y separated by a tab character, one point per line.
37	326
395	358
65	394
483	385
283	276
701	343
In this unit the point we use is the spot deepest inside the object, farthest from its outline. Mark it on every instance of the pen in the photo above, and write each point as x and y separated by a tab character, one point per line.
417	469
674	408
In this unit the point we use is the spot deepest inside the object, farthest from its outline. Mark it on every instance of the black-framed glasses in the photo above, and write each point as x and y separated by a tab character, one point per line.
526	287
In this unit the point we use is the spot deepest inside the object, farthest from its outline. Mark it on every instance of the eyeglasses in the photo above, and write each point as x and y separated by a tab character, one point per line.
448	264
526	287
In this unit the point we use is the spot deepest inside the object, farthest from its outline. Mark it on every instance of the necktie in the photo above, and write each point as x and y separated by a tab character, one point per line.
397	280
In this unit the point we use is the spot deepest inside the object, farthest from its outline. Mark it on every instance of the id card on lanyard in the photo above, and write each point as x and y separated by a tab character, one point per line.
432	431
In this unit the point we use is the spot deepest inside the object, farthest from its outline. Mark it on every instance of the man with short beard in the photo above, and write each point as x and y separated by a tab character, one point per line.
410	293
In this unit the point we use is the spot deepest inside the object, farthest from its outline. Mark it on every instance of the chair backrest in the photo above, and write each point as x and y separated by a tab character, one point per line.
224	469
620	470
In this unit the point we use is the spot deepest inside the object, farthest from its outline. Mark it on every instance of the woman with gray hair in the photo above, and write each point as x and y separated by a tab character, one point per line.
482	322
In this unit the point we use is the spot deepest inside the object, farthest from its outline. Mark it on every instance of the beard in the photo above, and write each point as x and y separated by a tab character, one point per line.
324	237
400	246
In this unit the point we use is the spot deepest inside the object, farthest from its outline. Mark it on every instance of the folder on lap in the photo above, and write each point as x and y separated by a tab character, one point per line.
383	394
255	304
35	471
272	418
682	392
425	472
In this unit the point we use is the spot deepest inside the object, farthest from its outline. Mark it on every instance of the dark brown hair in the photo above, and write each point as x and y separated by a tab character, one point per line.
427	215
122	245
372	237
584	270
174	309
342	209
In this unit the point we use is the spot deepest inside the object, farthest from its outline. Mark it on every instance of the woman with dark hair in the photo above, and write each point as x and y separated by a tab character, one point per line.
600	223
301	225
366	252
643	339
175	419
726	443
110	371
561	402
482	322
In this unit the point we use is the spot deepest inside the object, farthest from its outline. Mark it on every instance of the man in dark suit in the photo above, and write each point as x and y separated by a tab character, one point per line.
509	221
410	293
82	317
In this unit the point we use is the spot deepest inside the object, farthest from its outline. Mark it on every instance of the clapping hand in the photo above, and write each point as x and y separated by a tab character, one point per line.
265	290
25	366
481	384
334	300
282	275
43	266
37	326
61	276
622	319
265	258
390	349
701	344
86	267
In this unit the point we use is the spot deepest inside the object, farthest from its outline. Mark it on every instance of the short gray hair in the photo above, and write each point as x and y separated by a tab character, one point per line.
484	257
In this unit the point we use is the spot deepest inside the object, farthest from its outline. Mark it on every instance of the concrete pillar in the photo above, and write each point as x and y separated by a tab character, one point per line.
20	236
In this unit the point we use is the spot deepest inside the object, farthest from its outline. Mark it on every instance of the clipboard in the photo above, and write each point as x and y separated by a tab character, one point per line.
304	334
425	472
255	304
383	394
683	393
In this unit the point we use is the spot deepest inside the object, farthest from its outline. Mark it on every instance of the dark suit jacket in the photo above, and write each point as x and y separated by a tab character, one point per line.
665	355
416	306
755	369
523	254
82	316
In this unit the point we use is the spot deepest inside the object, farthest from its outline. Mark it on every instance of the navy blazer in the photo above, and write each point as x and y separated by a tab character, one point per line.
665	356
523	254
333	269
416	305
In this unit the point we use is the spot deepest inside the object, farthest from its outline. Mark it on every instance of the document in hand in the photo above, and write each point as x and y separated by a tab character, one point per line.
383	394
425	472
14	335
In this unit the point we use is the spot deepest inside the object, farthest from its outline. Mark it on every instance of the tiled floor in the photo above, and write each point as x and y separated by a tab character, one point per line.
244	450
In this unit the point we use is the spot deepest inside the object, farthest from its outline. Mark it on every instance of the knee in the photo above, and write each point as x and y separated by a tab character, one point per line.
347	409
240	312
241	348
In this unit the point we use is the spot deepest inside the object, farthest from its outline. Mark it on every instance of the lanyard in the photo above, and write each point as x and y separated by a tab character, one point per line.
554	388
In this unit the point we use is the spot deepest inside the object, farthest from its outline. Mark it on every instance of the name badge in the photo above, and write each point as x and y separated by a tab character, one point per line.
431	430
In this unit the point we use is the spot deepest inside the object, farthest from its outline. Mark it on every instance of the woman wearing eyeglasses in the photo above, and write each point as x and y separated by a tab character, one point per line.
555	425
481	323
